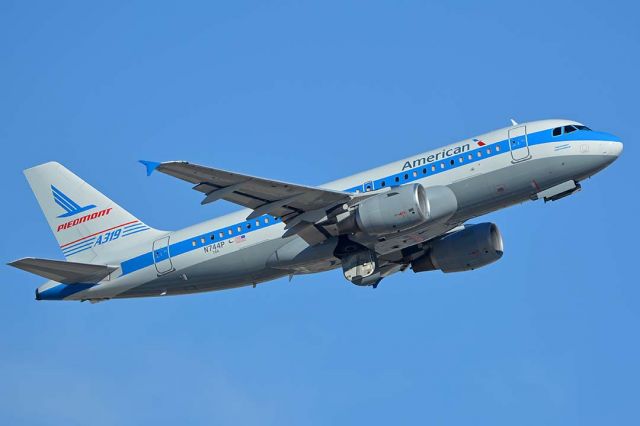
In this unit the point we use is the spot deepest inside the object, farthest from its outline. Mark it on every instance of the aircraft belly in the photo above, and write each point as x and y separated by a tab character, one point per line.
519	182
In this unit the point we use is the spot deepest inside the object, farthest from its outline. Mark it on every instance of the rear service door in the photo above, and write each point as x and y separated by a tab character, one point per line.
162	256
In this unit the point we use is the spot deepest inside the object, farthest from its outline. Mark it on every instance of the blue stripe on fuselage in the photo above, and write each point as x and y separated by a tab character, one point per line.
488	151
61	291
424	170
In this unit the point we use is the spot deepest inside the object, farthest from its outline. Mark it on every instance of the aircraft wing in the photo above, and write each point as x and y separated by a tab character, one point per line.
299	206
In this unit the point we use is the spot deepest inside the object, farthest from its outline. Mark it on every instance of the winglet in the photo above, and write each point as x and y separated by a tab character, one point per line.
150	165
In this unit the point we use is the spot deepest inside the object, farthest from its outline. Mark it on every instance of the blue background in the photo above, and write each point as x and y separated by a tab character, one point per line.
308	92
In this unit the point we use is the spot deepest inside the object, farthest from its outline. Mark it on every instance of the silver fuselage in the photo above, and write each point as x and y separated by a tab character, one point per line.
486	173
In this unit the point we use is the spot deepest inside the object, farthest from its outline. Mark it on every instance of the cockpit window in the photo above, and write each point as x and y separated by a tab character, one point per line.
568	129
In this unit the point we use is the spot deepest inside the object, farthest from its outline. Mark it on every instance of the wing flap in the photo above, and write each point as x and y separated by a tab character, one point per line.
62	271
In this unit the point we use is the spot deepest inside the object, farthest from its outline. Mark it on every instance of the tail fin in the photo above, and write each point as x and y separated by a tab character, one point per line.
86	223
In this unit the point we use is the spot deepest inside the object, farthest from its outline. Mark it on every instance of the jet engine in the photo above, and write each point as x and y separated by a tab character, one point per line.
401	208
473	247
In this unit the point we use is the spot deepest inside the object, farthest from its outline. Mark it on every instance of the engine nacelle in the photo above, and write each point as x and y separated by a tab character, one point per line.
473	247
403	208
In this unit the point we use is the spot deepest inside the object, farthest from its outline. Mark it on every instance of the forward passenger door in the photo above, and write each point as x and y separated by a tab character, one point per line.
519	143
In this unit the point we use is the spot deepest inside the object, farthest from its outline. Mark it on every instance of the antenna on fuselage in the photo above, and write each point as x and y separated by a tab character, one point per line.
514	122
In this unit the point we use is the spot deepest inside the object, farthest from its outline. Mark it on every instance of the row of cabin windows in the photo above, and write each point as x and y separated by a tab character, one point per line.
382	184
230	231
434	167
568	129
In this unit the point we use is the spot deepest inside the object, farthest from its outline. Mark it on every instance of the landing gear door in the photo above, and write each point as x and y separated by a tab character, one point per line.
162	256
519	143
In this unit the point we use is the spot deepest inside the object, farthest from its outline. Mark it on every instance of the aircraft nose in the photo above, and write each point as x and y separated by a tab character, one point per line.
615	148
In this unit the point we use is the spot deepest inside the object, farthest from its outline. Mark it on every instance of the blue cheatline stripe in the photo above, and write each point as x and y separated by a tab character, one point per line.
78	244
85	245
77	251
406	176
135	232
134	224
133	228
61	291
131	231
490	150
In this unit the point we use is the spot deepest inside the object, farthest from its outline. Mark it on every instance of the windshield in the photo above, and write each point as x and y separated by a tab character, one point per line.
568	129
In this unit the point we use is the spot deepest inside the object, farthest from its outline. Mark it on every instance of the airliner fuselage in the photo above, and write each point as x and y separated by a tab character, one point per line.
361	233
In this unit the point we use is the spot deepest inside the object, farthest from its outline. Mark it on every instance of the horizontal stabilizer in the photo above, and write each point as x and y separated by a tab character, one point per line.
64	272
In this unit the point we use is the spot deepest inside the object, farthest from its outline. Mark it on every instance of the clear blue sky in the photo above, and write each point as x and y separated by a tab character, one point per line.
309	92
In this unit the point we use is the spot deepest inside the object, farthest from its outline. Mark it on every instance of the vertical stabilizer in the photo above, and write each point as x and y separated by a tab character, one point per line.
86	223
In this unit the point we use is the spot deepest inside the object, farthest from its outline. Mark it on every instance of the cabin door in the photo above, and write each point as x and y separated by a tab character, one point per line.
519	143
162	256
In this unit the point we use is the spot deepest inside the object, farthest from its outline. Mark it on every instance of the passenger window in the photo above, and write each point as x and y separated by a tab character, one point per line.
424	171
193	243
397	179
383	184
470	156
202	240
461	159
557	131
415	174
221	234
442	165
479	154
497	148
257	223
452	162
406	176
248	226
488	151
433	168
213	237
266	220
230	231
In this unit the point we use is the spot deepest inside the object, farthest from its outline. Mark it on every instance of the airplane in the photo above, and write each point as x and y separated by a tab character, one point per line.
411	213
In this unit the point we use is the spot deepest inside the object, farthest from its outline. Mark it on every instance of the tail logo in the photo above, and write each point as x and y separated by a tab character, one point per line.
71	207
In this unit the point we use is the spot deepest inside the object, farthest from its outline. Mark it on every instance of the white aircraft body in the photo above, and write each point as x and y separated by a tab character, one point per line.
409	213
